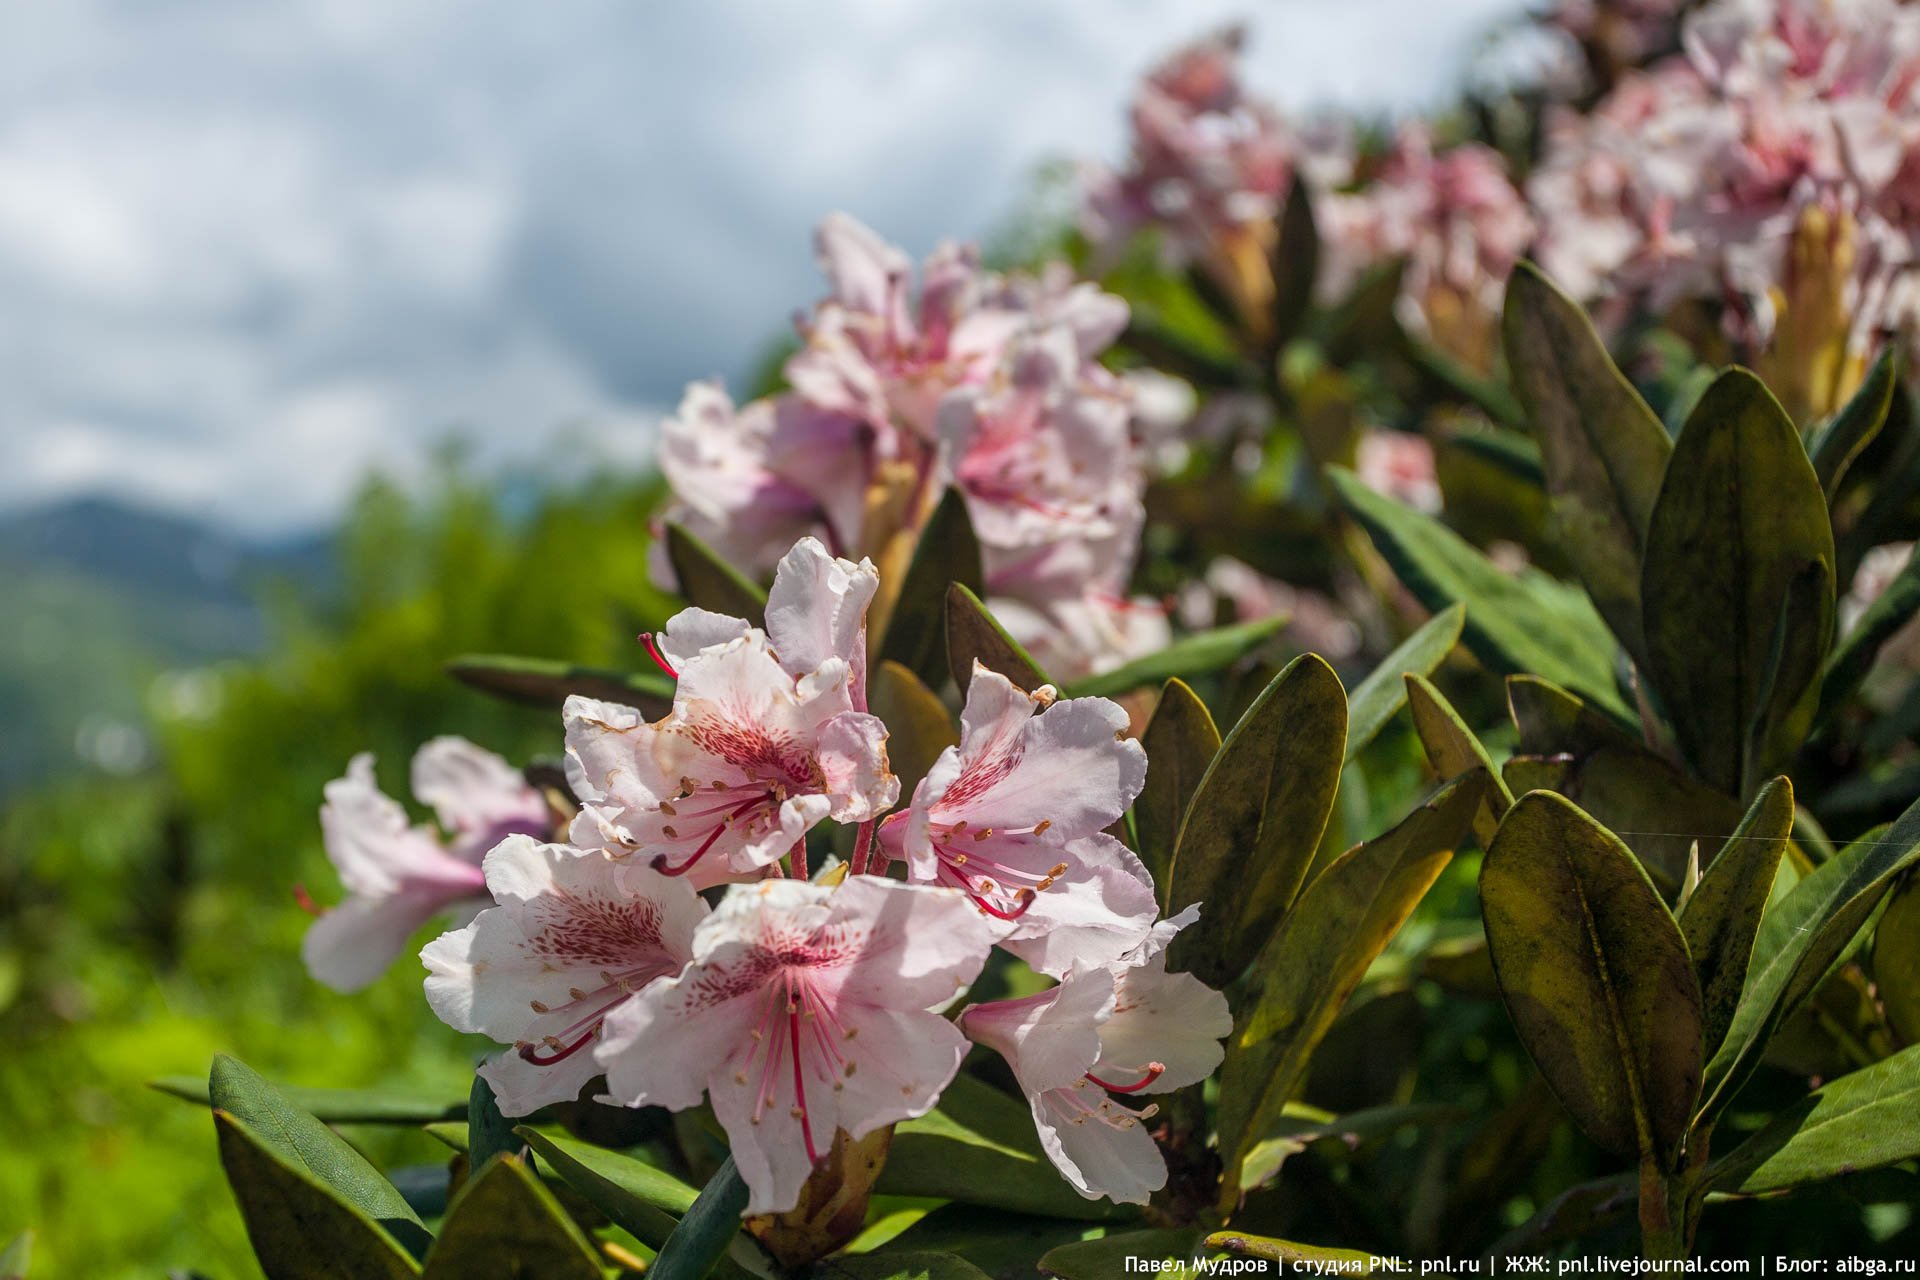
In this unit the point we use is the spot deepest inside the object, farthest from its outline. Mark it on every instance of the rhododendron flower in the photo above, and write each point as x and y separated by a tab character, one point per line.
1105	1030
574	936
1399	465
804	1010
768	733
399	876
1013	815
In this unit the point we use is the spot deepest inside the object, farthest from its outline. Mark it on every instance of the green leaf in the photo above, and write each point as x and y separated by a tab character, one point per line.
708	582
1853	656
489	1133
1332	1261
300	1227
1255	819
1463	383
1005	1245
1740	516
1180	741
311	1147
1834	447
543	682
918	725
1318	955
1515	623
642	1200
1107	1257
505	1226
1595	975
947	552
1202	653
1604	450
1722	916
706	1231
1295	263
1896	959
896	1266
974	635
979	1147
1453	749
1567	746
335	1106
1296	1132
1378	698
1803	936
15	1258
1865	1119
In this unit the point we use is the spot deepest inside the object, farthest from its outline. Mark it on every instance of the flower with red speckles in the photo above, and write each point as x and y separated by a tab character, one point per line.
1124	1028
1014	816
804	1010
768	734
399	876
575	935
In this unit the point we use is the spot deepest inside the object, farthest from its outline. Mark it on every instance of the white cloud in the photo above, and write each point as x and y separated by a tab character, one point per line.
247	251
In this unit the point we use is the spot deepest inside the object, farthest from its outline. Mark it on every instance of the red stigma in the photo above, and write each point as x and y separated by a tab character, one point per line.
659	659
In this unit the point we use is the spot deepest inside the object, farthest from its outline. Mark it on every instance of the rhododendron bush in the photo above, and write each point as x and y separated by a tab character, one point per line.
1363	707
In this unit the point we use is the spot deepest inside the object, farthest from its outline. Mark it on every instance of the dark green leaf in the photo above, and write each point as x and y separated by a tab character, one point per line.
918	725
543	682
1865	1119
1315	959
639	1198
1106	1258
1853	656
1604	450
1515	623
489	1133
1896	959
1739	518
1795	654
1453	749
1294	1133
1180	742
1723	913
1198	654
311	1147
1463	383
1005	1245
709	582
896	1266
336	1106
1334	1261
1378	698
300	1227
706	1231
505	1226
1575	1212
1803	936
1595	975
1834	447
974	635
1256	816
947	552
1295	263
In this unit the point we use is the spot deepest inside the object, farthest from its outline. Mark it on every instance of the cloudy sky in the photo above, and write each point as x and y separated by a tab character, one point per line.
248	251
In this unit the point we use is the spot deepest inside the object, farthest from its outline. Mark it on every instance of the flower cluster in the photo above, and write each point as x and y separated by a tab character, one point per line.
984	382
1771	168
674	943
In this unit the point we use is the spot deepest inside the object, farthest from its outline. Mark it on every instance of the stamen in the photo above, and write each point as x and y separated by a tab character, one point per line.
1154	1071
653	651
306	902
561	1051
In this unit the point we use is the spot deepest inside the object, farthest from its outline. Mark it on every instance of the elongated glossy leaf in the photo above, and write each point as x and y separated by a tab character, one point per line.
1202	653
918	725
1515	623
974	635
336	1106
1836	445
1896	959
1800	939
1604	450
1795	654
1108	1257
979	1147
1256	816
1865	1119
489	1133
706	1231
1722	916
543	682
709	582
1295	1132
1295	262
1739	518
505	1226
300	1227
1575	1212
1005	1245
1331	1261
1315	959
311	1147
1453	749
1180	741
641	1199
1378	698
1595	975
947	552
896	1266
1853	656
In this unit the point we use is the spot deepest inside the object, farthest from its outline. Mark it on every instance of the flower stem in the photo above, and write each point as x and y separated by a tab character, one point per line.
862	849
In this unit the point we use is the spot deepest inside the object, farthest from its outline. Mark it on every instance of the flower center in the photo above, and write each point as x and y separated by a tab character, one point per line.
711	821
979	862
592	1008
797	1029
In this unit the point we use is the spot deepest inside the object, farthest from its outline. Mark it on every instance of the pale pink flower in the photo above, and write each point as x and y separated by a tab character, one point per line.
1015	814
1399	465
575	935
399	876
804	1010
768	734
1124	1029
